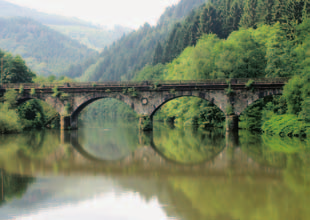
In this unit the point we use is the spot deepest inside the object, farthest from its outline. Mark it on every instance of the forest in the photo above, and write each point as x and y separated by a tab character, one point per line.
235	39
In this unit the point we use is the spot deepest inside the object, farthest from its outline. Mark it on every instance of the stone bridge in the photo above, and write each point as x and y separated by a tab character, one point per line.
146	97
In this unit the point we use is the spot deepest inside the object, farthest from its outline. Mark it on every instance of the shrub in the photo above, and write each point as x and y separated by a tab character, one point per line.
21	89
133	92
229	91
172	91
229	110
249	85
286	125
32	91
64	96
56	92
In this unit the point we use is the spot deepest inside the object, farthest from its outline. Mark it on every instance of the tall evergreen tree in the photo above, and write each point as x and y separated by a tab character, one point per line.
195	31
279	11
264	11
248	19
235	16
158	54
209	21
306	10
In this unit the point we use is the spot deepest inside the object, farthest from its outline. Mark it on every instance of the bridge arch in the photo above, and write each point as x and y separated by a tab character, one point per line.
243	101
88	100
202	96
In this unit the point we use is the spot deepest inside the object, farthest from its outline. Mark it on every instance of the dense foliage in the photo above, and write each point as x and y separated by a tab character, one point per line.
13	69
31	114
277	46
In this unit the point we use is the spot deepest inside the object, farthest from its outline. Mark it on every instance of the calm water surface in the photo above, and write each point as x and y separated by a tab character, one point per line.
114	172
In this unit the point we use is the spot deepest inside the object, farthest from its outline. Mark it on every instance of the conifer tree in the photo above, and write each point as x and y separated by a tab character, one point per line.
235	16
264	11
279	11
158	54
248	18
306	10
195	31
209	21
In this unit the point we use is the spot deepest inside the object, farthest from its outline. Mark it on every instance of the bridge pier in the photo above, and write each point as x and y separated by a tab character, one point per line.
145	123
66	123
232	123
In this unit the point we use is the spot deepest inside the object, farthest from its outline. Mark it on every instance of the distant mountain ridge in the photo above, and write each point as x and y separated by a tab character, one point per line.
51	43
9	10
45	51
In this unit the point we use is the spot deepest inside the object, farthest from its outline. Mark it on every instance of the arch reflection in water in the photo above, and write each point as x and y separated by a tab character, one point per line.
188	145
111	143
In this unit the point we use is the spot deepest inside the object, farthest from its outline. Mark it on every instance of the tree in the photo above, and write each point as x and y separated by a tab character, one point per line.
15	70
306	10
195	31
158	54
280	55
248	18
235	16
279	11
264	12
209	21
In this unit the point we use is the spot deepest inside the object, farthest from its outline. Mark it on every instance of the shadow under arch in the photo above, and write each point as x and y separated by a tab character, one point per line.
41	102
246	117
202	97
75	114
261	96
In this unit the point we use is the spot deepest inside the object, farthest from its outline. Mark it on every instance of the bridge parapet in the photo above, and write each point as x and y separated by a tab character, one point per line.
205	82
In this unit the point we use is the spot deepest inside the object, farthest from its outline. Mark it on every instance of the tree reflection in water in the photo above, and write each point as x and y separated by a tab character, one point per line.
13	186
188	145
250	194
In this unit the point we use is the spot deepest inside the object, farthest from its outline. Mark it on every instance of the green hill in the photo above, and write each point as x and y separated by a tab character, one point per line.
46	51
93	38
42	57
132	52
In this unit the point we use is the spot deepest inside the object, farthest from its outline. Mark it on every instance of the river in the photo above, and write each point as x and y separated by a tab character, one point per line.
114	172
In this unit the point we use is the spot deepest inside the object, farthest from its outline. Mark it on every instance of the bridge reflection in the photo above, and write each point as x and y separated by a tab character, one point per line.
51	152
149	156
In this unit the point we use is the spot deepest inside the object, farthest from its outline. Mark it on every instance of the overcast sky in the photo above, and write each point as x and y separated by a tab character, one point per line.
130	13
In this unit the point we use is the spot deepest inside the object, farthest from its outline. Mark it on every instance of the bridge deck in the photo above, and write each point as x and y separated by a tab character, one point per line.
146	85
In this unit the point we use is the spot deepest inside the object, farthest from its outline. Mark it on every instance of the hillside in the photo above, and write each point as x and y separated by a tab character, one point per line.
88	34
132	52
9	10
93	38
46	51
